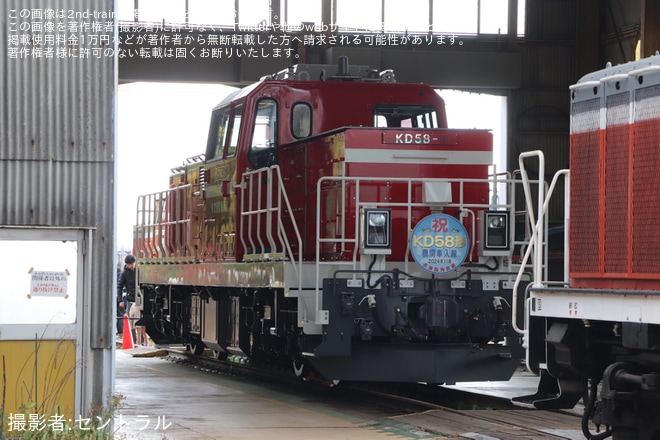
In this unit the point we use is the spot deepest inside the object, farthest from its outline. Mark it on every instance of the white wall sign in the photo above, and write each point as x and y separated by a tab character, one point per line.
48	283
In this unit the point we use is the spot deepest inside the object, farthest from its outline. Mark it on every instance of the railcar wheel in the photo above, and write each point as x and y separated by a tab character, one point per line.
220	355
197	348
298	367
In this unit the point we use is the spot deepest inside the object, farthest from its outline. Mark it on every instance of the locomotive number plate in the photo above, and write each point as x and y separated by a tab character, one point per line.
420	138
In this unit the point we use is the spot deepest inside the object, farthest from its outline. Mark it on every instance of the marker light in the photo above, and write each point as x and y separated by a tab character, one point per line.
377	231
494	233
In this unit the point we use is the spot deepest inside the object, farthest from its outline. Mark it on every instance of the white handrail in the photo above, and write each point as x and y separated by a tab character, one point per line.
155	226
281	230
409	204
536	241
273	205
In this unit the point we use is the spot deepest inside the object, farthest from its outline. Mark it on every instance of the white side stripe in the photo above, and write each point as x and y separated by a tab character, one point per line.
364	155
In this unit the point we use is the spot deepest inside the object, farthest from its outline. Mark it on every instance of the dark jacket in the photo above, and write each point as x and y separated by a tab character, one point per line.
126	281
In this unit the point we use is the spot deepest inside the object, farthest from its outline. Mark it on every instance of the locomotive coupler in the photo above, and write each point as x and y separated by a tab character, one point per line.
626	398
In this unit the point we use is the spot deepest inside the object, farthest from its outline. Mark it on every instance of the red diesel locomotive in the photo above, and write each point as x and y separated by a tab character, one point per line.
598	334
336	225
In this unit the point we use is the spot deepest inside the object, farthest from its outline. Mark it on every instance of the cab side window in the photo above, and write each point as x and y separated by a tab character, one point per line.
263	144
301	120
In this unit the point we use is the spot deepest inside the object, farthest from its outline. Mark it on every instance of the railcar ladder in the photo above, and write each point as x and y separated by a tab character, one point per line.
553	392
263	200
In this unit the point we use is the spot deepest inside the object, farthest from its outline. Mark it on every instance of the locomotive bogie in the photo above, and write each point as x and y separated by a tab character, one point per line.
427	323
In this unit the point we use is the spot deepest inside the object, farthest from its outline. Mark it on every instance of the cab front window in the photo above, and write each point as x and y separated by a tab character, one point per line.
405	116
263	144
218	134
235	130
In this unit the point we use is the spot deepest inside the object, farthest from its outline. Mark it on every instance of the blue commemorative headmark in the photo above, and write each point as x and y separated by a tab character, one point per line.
439	243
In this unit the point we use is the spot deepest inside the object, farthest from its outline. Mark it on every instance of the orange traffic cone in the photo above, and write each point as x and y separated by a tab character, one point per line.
127	340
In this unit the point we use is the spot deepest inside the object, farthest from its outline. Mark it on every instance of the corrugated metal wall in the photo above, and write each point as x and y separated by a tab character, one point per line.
539	110
57	143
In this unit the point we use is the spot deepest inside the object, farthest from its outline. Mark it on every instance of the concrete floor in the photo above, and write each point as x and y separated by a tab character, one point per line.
161	403
164	400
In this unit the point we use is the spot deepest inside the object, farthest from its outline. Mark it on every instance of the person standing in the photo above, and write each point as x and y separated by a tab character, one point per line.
140	333
126	283
120	309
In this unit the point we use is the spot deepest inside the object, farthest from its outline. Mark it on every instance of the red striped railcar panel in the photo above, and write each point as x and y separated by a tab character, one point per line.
615	214
615	193
585	180
645	204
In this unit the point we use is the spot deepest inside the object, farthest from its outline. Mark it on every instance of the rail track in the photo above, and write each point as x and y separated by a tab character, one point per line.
433	412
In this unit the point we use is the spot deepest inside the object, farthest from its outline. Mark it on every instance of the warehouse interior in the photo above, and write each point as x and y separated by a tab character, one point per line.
541	48
58	139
